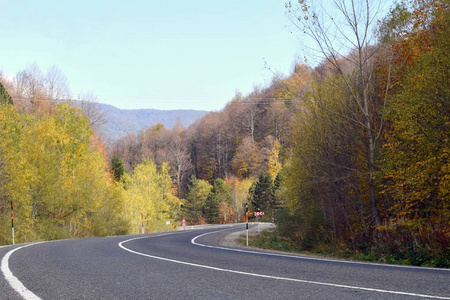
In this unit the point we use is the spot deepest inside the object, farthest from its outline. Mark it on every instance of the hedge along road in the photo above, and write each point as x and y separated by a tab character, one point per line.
192	265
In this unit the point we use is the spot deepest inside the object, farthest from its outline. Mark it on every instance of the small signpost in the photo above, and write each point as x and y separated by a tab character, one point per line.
258	214
183	223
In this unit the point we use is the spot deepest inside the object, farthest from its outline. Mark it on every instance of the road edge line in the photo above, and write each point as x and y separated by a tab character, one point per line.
300	256
270	276
13	281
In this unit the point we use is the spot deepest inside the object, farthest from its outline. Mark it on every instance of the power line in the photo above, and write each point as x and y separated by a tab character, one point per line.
263	100
250	100
52	100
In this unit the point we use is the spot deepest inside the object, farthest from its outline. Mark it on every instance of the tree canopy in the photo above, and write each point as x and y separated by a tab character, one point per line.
350	155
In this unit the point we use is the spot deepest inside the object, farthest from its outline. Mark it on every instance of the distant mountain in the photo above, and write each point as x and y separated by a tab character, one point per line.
120	122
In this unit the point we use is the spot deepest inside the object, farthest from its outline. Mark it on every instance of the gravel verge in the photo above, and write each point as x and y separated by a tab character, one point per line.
229	239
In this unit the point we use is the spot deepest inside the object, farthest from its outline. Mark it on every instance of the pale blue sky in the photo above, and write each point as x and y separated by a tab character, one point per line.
151	54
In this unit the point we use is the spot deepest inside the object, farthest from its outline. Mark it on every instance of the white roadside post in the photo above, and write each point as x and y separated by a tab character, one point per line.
12	222
246	219
168	225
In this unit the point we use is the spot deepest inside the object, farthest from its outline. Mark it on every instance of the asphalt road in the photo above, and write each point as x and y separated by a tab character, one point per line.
188	265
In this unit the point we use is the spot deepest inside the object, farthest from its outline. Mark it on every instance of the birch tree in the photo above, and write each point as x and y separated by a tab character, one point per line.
342	35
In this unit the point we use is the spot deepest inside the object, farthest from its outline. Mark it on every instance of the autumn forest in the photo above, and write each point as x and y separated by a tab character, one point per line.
346	155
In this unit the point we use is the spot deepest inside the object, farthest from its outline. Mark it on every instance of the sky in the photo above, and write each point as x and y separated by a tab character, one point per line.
172	54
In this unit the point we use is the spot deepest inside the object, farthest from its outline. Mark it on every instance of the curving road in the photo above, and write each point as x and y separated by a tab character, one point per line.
192	265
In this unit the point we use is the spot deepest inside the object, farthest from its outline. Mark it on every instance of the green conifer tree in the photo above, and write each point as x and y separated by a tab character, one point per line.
219	194
4	95
263	195
196	199
117	168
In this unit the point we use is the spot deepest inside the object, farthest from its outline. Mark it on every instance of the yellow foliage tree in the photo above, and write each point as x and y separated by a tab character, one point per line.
274	166
56	177
150	201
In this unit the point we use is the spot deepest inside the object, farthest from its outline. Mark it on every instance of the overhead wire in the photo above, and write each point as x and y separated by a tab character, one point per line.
244	100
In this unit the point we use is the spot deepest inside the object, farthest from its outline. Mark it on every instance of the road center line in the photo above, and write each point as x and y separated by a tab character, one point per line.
270	276
13	281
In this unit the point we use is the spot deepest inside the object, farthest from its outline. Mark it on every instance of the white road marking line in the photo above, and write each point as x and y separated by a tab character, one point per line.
299	256
15	283
272	277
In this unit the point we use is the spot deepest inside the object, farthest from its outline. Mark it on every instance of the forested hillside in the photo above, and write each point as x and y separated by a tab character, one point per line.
363	138
350	155
120	122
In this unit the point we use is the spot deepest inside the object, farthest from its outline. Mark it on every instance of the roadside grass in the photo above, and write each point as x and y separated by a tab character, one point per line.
270	240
